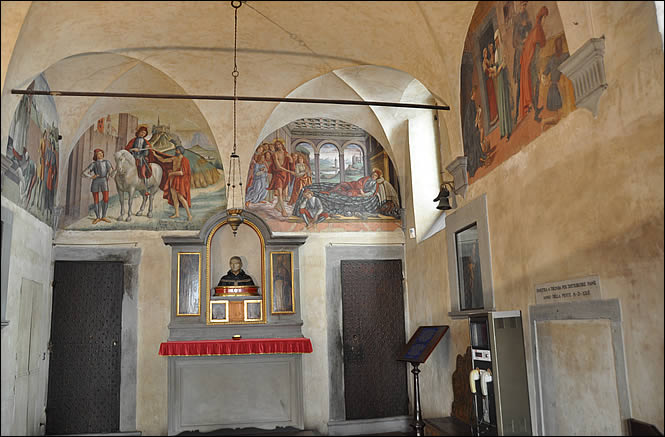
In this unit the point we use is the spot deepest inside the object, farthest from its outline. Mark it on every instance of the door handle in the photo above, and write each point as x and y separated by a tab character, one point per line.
115	343
354	351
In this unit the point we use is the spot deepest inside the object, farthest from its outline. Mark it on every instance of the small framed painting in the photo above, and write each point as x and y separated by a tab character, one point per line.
219	311
253	310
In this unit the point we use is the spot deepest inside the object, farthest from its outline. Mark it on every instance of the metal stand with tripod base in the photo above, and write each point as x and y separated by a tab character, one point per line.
416	352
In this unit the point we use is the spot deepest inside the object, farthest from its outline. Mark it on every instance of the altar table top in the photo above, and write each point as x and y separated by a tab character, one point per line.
249	346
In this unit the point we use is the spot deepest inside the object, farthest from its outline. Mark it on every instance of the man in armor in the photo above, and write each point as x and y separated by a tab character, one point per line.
99	171
140	149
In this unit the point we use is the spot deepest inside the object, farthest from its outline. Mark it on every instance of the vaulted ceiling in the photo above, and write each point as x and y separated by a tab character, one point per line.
397	51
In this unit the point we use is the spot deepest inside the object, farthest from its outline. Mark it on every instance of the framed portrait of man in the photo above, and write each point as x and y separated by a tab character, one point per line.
281	283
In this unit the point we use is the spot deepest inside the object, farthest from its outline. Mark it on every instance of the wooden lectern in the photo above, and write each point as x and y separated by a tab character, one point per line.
416	351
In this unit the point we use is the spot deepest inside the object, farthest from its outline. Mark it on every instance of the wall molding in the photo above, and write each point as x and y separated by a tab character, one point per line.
609	309
586	69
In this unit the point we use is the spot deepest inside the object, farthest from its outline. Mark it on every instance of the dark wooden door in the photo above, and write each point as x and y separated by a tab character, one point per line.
375	383
84	369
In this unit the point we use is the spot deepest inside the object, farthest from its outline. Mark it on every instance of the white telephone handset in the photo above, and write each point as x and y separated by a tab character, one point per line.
485	377
473	377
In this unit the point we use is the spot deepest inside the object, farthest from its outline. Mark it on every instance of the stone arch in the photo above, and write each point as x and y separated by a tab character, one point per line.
388	125
297	141
120	73
322	143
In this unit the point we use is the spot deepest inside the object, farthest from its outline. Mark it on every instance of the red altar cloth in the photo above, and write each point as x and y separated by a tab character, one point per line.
250	346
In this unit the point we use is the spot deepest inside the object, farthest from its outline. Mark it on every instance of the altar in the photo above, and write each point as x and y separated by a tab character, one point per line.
235	347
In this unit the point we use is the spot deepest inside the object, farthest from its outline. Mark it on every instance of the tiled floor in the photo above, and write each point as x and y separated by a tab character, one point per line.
440	426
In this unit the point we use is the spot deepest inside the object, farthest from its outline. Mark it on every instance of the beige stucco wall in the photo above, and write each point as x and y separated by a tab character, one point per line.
30	259
13	14
584	198
154	313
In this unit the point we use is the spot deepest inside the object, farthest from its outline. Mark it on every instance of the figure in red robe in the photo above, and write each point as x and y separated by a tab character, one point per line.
178	181
355	188
281	176
528	70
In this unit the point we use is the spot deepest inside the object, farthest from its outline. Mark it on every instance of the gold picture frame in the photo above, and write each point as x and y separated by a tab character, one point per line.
219	311
191	280
282	298
210	288
250	310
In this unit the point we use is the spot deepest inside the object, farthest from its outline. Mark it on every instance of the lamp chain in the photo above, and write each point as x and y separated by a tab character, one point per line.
235	69
234	161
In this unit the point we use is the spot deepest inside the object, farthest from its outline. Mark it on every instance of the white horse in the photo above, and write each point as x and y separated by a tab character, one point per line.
127	181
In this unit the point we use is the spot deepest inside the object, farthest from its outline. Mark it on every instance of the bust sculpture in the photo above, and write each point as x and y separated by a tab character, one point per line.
236	276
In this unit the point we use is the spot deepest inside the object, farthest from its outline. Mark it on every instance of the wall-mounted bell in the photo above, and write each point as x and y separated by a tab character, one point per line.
443	198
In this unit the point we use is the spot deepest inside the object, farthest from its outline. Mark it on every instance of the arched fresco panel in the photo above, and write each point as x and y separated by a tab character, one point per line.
184	168
33	146
511	87
283	187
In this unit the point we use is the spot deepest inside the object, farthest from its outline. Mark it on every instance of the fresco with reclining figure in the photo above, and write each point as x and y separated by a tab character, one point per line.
323	175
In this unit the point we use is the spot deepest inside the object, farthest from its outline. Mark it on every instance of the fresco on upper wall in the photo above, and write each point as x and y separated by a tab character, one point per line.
511	87
134	172
34	150
323	175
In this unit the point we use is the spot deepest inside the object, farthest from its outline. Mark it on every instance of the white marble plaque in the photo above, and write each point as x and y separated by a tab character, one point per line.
569	290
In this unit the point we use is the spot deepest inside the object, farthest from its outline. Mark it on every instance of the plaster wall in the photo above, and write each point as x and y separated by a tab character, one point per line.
585	198
30	258
154	313
13	14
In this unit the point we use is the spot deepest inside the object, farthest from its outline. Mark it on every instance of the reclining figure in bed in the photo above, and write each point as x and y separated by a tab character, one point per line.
367	197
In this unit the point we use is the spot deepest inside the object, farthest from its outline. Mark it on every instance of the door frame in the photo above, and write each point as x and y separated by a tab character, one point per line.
599	309
337	423
131	259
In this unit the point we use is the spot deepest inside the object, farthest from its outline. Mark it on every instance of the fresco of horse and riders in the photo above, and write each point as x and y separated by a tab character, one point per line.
297	183
130	171
140	172
511	87
125	172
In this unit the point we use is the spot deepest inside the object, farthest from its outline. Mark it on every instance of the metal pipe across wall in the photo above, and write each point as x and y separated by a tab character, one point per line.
240	98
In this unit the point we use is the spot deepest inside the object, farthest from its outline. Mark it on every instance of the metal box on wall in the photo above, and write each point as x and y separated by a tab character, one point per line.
499	378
